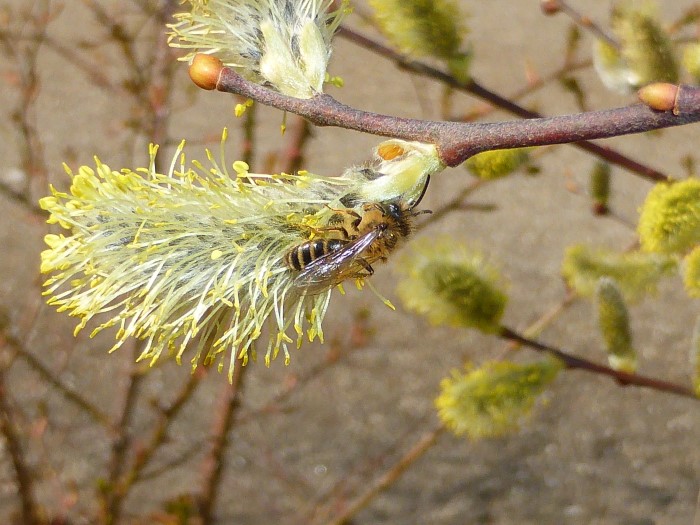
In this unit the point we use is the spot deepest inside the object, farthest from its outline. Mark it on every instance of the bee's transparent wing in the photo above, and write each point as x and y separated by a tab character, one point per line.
337	266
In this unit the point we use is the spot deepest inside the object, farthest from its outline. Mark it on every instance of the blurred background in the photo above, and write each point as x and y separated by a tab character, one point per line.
98	435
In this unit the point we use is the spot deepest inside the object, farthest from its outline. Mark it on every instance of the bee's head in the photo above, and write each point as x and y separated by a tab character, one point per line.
393	209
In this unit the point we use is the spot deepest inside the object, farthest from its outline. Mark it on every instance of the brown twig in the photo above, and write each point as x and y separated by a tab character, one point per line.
30	512
623	378
454	204
68	392
456	142
545	319
334	357
293	152
585	22
530	88
26	64
476	89
213	463
390	476
159	433
334	497
22	198
119	34
112	497
156	82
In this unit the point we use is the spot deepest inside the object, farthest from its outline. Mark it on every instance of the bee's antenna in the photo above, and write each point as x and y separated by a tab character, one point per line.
420	197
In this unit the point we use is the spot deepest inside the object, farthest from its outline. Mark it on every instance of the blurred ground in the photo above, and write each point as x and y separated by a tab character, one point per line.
596	453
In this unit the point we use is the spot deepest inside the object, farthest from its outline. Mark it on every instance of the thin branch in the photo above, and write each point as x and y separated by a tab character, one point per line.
623	378
21	198
586	23
213	463
327	502
293	152
113	496
119	34
456	142
68	392
474	88
529	89
390	476
25	60
456	203
548	317
23	474
159	434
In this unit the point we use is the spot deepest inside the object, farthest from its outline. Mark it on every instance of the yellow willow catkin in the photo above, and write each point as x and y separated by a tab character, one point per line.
493	399
451	285
426	28
495	164
645	53
197	257
691	272
637	274
285	45
669	221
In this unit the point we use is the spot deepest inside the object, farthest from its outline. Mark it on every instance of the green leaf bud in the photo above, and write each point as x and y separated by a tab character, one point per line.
600	186
614	326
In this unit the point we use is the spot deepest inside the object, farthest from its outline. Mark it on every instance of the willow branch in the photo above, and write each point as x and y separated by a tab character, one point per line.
214	462
113	495
70	394
584	22
388	478
159	434
623	378
474	88
456	141
24	478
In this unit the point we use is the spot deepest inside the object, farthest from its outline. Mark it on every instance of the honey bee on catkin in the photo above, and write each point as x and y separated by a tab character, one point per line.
351	244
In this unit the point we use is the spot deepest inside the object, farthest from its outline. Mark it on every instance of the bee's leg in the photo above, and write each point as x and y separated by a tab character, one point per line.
348	211
333	226
366	266
336	222
340	229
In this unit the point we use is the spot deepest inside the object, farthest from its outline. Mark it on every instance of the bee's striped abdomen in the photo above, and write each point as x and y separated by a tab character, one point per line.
304	254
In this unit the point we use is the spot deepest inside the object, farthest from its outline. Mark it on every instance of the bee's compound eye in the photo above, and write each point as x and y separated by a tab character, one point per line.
393	210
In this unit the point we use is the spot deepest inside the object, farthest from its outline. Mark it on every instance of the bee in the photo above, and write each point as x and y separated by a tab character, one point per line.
304	254
352	244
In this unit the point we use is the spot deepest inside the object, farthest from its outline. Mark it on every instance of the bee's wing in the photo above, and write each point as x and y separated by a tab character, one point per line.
337	266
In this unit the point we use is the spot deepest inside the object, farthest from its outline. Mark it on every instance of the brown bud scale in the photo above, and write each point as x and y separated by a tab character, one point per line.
659	96
205	70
